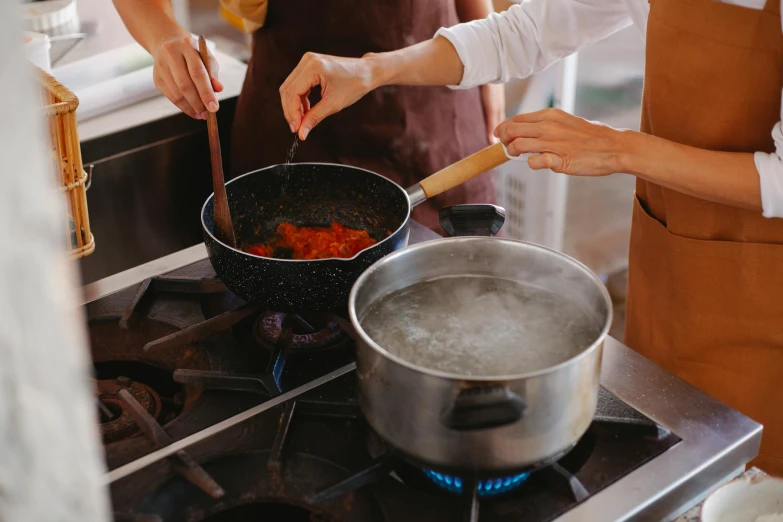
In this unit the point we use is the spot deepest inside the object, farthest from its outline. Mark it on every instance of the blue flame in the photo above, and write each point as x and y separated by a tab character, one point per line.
487	487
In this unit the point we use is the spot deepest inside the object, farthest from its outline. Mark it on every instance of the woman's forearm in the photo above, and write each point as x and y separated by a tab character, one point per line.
434	62
178	72
730	178
149	21
575	146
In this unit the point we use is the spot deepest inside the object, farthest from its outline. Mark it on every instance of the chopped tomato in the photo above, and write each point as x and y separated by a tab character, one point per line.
260	250
315	242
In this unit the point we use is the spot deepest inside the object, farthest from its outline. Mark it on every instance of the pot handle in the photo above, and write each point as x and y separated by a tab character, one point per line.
484	407
472	220
465	169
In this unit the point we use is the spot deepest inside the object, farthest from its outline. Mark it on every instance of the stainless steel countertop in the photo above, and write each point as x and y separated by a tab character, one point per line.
717	442
115	283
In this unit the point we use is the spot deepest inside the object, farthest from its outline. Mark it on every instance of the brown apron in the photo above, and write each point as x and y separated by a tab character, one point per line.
403	133
705	288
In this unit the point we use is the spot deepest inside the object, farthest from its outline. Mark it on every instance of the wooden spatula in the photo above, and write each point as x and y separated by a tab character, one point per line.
223	226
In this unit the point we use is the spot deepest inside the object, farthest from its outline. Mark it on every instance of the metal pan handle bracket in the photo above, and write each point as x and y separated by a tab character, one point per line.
484	407
472	220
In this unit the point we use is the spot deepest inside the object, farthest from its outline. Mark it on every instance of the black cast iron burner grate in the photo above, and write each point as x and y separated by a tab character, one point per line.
322	424
471	489
541	495
284	335
571	480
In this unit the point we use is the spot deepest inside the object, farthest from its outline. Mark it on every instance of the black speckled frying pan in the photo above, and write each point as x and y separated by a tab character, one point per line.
312	194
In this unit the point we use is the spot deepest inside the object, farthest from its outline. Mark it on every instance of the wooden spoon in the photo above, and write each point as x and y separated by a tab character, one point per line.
223	227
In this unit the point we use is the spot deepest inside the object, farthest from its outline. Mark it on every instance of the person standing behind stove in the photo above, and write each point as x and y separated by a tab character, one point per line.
403	133
705	269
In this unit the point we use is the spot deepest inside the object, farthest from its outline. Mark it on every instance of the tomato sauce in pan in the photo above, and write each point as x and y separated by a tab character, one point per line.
314	242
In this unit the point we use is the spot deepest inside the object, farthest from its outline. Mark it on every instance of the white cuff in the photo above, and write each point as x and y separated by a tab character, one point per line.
449	34
770	168
477	50
522	157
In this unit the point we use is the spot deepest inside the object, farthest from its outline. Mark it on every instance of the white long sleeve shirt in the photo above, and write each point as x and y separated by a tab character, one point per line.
529	37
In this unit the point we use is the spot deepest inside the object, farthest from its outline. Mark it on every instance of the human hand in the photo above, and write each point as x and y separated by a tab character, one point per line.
343	81
493	99
181	76
566	143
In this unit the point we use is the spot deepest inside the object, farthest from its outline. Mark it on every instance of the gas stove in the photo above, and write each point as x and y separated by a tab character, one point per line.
213	410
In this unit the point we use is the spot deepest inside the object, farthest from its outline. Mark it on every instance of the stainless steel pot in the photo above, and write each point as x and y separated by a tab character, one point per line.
487	424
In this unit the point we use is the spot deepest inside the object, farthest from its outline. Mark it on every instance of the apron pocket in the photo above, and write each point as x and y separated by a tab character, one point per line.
712	313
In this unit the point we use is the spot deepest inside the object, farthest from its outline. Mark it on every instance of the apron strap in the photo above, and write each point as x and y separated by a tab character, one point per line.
772	6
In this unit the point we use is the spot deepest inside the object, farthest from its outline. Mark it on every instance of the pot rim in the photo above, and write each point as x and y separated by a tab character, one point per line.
478	378
332	259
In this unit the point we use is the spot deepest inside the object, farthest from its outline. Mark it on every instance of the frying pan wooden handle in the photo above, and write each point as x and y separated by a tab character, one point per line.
223	226
463	170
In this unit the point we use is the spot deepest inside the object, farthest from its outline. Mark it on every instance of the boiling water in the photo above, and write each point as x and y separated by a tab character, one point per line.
479	326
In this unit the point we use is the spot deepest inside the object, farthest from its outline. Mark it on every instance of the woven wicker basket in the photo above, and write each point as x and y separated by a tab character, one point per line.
60	110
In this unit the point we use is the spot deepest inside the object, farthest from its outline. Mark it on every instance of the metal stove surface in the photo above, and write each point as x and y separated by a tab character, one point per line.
225	444
317	453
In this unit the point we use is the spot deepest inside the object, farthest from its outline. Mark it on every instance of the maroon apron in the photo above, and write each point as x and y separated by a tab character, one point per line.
403	133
